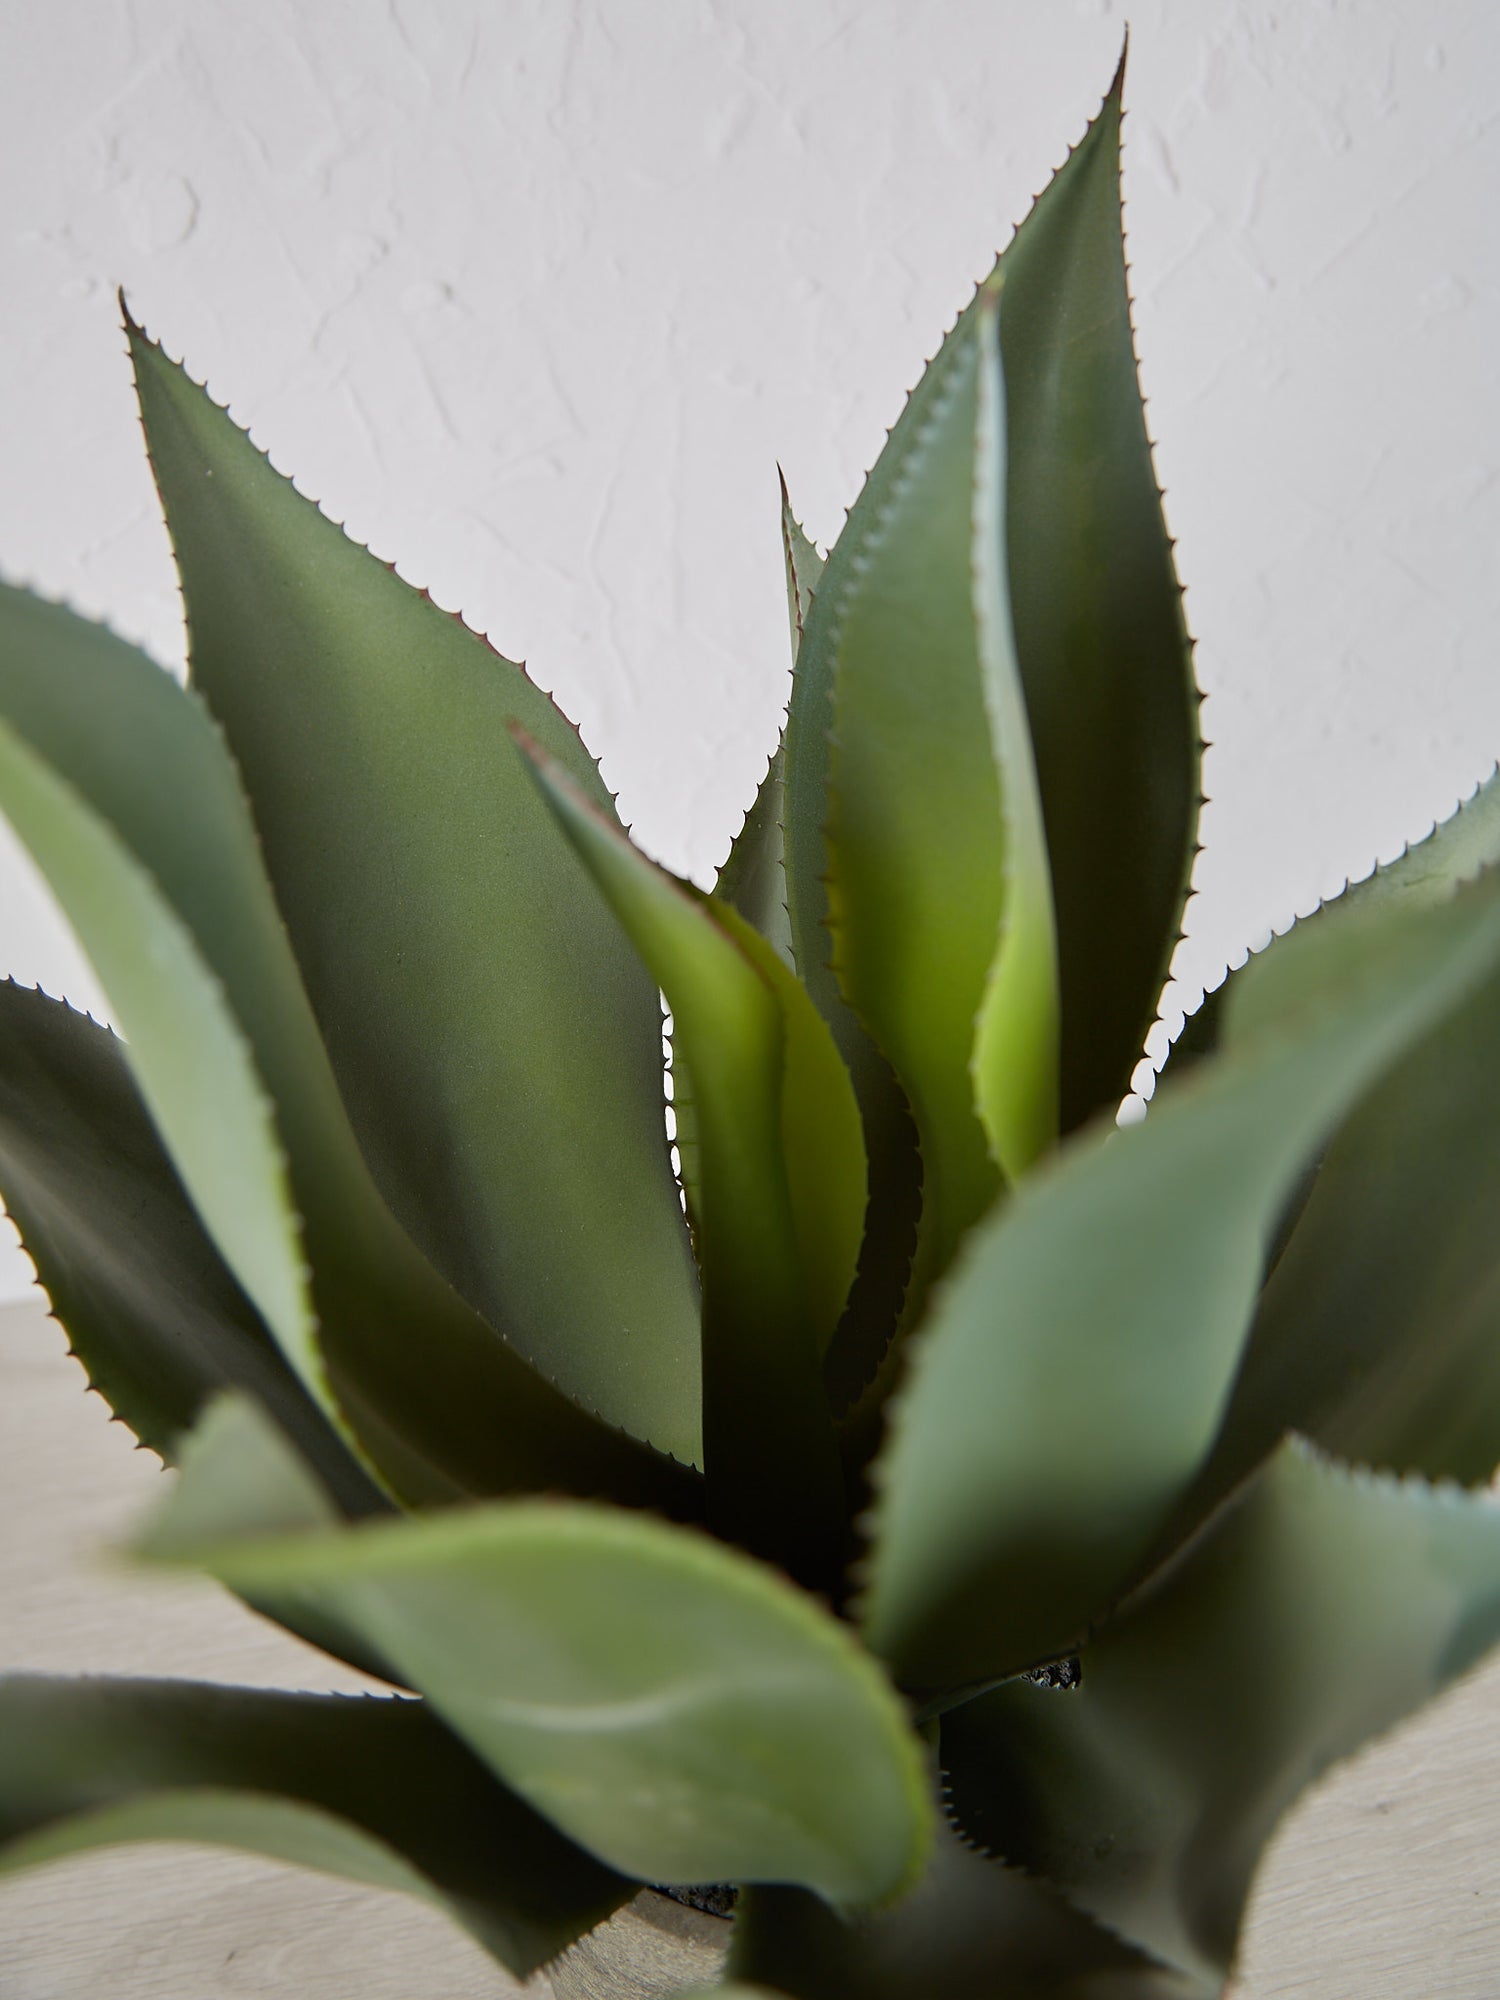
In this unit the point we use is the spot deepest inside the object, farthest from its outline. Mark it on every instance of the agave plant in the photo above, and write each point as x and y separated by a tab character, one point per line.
958	1523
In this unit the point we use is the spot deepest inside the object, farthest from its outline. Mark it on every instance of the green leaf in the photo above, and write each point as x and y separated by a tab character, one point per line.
1077	1364
939	905
678	1709
780	1194
191	1062
1426	872
1378	1334
971	1930
915	830
804	568
1322	1607
250	1482
1104	651
1015	1059
1358	1343
753	878
138	774
495	1040
150	1308
895	1199
1102	648
375	1790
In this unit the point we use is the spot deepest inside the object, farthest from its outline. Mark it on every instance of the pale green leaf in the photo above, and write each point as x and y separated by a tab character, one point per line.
190	1060
678	1709
915	830
1015	1058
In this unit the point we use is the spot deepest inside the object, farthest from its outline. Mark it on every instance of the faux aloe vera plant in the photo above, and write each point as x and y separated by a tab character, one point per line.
959	1524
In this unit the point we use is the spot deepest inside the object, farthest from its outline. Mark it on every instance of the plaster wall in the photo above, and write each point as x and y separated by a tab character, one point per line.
533	295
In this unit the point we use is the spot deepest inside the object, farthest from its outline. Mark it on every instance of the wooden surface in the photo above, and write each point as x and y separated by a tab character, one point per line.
651	1948
1385	1885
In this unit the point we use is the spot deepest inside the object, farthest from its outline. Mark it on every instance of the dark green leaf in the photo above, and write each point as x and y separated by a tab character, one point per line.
496	1042
681	1711
804	568
157	1321
123	788
1376	1340
1078	1362
1104	652
150	1309
1379	1330
374	1790
191	1062
1321	1608
971	1930
753	879
780	1195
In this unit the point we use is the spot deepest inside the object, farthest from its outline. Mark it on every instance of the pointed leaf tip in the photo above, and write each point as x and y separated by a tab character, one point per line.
1117	85
465	1093
1110	691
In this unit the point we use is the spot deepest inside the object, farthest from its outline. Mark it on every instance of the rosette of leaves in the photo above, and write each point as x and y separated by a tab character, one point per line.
958	1523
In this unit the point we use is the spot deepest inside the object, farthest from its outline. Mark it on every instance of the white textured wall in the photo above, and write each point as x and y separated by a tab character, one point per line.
535	292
